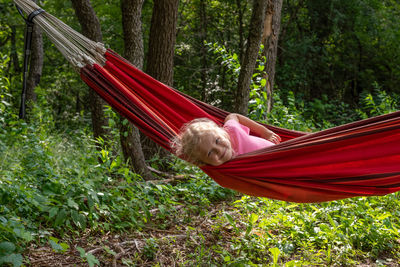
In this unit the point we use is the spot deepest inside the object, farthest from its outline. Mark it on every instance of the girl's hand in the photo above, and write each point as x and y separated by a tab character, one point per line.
271	136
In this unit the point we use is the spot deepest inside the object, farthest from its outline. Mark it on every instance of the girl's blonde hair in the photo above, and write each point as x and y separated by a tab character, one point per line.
185	145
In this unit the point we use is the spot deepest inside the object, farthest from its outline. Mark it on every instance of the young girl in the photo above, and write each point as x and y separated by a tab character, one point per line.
202	141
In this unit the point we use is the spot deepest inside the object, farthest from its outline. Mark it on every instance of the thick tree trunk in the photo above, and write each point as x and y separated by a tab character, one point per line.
132	28
133	40
36	64
250	58
91	28
270	41
160	57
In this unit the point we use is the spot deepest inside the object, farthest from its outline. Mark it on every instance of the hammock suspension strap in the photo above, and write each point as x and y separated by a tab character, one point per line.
27	53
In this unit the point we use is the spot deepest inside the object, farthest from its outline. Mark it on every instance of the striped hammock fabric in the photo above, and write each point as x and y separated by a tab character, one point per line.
356	159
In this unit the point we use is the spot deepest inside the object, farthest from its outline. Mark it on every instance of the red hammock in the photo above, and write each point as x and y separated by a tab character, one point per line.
356	159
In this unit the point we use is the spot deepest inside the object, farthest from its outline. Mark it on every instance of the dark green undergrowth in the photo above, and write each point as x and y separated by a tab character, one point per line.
54	184
57	182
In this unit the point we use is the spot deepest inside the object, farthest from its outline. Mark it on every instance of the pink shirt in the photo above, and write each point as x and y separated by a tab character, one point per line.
241	140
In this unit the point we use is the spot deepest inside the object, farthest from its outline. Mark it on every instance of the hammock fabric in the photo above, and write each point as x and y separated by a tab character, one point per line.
356	159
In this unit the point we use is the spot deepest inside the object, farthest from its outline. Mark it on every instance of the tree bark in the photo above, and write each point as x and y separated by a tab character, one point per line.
91	28
250	58
160	57
36	64
270	41
133	41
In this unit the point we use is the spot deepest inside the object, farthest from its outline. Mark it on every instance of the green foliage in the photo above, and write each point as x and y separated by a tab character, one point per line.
5	94
223	96
196	70
338	48
57	180
340	228
377	102
8	255
54	184
150	248
88	257
344	232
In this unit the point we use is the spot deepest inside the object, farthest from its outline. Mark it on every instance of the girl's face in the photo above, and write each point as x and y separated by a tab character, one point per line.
215	148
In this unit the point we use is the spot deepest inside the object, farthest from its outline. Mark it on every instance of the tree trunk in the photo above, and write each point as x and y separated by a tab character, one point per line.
36	64
132	28
91	28
250	59
160	57
270	41
133	40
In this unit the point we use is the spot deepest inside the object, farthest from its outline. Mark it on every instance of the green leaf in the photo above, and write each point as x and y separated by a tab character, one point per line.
22	233
113	164
52	212
90	258
331	221
235	56
292	206
384	216
78	219
248	229
109	251
81	252
14	259
56	247
71	203
6	247
275	255
60	217
253	218
229	218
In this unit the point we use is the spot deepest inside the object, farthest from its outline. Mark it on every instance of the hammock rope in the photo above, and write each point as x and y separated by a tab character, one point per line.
75	47
357	159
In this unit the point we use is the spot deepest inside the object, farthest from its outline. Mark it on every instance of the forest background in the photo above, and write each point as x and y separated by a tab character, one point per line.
70	193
